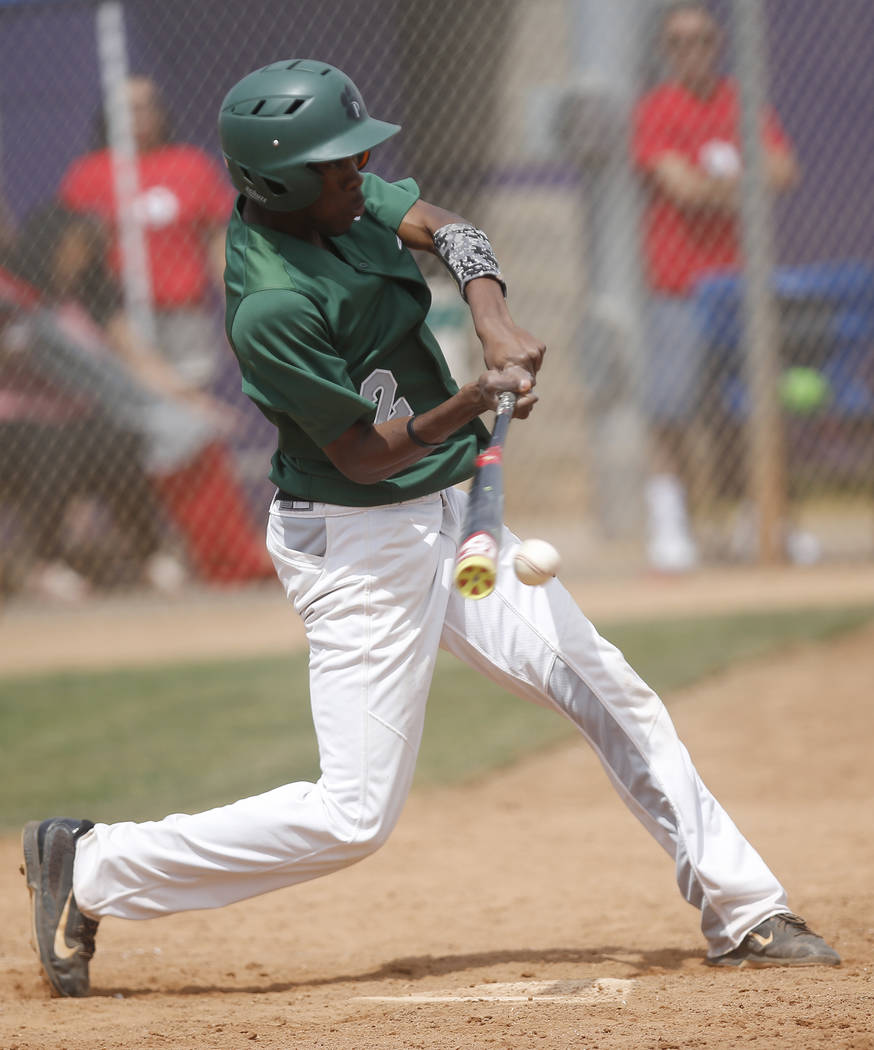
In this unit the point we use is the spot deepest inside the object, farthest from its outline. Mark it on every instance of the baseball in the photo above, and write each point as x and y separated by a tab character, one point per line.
535	562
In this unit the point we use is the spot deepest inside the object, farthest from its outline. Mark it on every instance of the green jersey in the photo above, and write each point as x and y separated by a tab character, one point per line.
325	339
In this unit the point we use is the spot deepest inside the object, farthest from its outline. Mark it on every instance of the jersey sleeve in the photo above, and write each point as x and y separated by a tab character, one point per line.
651	134
389	202
289	365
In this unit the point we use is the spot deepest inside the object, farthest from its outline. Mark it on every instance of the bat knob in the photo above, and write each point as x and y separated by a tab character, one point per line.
475	576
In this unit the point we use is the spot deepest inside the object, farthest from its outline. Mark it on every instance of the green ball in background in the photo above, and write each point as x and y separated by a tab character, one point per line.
803	391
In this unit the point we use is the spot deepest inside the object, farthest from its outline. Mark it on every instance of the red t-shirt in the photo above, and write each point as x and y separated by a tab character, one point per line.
183	194
679	245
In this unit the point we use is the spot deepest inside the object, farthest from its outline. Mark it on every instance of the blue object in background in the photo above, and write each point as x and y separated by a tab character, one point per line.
826	321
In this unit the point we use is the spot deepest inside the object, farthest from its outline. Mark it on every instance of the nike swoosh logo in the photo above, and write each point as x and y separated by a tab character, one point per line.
61	949
763	942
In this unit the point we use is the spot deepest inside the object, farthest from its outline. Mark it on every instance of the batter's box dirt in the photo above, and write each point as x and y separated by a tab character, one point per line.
530	901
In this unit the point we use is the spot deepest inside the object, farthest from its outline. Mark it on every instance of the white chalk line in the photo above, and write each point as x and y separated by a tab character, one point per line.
602	990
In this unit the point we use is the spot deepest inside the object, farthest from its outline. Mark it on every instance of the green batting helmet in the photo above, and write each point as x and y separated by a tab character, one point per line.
280	119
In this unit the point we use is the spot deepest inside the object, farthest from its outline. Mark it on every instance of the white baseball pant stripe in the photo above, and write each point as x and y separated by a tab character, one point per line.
377	601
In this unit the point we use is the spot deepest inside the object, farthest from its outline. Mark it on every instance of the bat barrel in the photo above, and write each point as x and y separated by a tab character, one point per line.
476	564
477	572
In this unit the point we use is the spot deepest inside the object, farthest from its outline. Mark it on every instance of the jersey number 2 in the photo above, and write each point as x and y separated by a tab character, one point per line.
380	387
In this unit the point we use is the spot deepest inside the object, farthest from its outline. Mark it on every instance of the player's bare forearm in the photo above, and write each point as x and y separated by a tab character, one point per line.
368	453
504	343
421	222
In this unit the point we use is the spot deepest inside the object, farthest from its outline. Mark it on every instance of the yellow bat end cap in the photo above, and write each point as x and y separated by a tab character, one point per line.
475	576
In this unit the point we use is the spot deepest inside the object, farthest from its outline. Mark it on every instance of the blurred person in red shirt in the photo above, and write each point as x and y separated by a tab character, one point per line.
686	146
183	204
80	341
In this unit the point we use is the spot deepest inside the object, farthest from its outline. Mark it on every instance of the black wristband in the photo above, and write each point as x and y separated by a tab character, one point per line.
416	440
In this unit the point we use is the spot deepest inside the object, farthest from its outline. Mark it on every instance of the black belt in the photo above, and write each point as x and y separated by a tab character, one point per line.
297	503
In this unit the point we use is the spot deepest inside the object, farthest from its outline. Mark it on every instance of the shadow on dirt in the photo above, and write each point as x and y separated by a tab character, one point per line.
634	963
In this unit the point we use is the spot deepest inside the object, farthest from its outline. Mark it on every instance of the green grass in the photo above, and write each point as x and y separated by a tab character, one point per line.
141	743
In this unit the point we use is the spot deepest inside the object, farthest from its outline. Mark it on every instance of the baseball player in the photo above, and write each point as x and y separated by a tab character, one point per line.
326	314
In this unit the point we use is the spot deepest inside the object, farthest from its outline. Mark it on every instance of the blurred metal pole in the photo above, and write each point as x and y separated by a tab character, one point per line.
5	219
136	276
605	40
767	474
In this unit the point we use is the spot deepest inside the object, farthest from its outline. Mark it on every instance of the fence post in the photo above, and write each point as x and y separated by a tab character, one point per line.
767	469
136	277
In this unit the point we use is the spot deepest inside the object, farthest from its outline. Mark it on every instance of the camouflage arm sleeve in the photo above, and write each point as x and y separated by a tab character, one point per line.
467	254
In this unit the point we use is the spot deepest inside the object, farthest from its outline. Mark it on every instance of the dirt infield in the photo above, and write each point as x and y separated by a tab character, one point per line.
129	631
528	910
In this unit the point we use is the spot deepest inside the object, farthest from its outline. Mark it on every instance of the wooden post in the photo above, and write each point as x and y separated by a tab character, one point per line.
767	467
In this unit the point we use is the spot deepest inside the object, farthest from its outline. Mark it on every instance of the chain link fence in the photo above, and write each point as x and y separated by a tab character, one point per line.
679	196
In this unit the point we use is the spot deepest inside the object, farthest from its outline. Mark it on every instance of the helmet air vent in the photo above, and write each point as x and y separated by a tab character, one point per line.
294	107
258	106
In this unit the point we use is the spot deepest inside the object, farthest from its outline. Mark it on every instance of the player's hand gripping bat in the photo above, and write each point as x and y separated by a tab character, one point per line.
476	564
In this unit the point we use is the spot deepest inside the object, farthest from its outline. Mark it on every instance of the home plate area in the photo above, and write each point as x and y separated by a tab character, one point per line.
602	990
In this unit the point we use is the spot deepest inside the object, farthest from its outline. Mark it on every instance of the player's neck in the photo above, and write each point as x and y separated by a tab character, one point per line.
292	223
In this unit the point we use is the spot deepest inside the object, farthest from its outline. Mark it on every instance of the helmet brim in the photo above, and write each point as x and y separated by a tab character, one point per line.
365	135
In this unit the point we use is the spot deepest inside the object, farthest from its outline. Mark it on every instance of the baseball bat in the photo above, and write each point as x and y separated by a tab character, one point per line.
476	564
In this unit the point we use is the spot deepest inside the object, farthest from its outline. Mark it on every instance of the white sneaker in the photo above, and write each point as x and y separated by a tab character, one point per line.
676	553
165	573
670	547
59	582
803	548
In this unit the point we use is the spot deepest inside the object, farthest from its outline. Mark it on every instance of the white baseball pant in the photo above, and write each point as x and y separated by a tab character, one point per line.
374	589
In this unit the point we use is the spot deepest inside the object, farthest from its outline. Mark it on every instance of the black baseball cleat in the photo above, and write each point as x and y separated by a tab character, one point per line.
782	940
62	936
